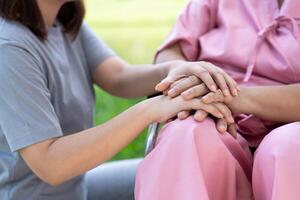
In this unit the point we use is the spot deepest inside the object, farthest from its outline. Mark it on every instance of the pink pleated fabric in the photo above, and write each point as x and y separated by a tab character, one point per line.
257	43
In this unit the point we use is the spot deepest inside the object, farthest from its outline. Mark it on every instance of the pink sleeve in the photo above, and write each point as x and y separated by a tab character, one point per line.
194	21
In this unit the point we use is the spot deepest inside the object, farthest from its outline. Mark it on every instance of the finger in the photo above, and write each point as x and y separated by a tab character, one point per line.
205	76
200	115
232	84
232	130
183	114
176	82
183	85
164	84
169	120
213	97
197	104
221	125
220	80
225	111
165	92
196	91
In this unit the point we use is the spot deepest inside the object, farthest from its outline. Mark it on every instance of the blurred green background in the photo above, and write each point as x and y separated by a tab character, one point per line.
134	29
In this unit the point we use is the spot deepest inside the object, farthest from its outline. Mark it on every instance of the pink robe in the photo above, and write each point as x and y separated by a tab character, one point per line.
257	43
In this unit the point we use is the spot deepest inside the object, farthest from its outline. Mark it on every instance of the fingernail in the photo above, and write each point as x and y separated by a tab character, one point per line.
157	87
198	117
186	93
222	128
206	100
219	115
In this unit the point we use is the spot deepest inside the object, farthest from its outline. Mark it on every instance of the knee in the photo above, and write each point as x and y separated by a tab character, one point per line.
202	136
280	144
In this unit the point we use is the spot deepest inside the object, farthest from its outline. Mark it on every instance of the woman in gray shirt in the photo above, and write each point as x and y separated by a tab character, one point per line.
49	61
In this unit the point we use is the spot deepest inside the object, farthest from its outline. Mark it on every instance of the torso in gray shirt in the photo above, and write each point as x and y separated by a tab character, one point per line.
45	91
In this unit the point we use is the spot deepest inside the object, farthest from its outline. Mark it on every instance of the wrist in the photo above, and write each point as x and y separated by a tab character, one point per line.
166	67
243	103
146	108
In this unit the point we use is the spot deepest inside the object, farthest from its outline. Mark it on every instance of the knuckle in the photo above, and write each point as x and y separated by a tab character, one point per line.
219	93
204	72
194	91
218	73
203	63
193	79
221	71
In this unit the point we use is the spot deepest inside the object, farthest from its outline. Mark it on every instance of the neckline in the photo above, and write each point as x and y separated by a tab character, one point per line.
280	4
281	7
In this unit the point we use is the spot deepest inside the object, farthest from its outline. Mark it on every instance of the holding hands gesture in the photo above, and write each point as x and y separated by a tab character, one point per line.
203	85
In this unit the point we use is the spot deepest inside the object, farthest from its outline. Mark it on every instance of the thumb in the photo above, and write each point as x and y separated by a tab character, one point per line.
164	84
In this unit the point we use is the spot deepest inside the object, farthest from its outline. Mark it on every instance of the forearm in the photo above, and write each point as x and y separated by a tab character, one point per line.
272	103
72	155
148	76
140	80
130	81
172	53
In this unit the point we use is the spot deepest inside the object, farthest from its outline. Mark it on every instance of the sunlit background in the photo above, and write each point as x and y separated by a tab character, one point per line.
133	29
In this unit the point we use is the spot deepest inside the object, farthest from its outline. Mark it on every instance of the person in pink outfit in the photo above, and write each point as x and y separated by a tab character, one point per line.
258	44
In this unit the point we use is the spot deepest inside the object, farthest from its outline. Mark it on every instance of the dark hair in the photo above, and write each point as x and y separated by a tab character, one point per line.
28	13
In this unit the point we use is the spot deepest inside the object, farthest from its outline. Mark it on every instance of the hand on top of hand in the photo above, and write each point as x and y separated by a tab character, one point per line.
201	81
210	75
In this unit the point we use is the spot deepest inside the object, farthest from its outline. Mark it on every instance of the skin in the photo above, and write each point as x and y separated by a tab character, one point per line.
193	86
59	159
265	102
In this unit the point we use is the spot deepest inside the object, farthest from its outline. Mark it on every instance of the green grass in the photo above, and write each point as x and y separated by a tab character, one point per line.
134	29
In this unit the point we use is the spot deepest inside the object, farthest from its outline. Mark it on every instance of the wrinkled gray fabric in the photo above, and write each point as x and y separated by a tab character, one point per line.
45	91
112	181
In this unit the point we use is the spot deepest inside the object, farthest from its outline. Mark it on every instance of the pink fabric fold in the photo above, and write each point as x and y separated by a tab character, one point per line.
256	43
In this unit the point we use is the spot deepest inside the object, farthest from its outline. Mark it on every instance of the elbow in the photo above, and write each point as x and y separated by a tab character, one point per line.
53	183
52	176
51	179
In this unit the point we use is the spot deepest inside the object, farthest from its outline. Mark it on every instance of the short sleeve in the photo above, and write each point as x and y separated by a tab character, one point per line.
26	113
195	20
96	51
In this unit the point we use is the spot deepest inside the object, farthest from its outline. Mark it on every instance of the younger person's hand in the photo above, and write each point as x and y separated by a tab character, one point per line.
212	76
192	87
164	108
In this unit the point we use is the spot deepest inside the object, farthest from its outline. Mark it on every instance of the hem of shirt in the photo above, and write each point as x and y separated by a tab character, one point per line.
29	139
102	60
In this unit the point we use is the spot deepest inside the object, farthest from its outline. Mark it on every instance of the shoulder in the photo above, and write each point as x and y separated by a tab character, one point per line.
11	31
16	40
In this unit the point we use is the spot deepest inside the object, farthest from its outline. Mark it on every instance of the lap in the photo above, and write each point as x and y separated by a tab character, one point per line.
113	180
282	140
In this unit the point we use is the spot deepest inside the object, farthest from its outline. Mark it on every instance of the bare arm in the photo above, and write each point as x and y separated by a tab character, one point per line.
59	159
121	79
129	81
273	103
172	53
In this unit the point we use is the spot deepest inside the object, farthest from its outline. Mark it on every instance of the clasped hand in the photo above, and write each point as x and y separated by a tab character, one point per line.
211	84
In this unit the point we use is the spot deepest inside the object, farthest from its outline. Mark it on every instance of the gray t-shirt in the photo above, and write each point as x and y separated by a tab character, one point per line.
45	92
